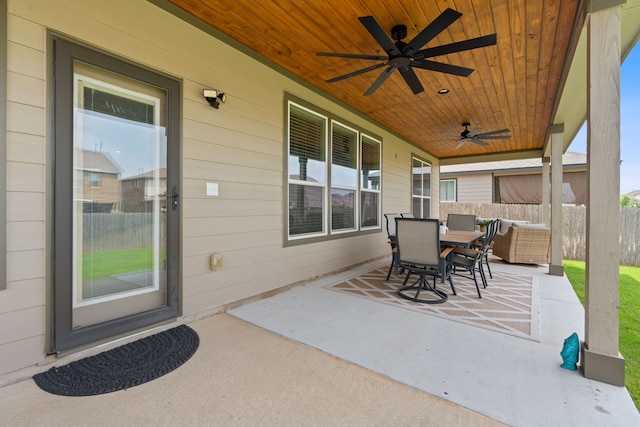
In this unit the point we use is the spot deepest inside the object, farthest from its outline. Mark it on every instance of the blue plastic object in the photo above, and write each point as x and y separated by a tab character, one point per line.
569	352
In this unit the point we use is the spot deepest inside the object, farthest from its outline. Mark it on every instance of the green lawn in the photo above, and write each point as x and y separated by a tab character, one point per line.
629	316
104	264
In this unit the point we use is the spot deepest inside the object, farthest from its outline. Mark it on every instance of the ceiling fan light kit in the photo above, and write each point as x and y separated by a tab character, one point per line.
404	57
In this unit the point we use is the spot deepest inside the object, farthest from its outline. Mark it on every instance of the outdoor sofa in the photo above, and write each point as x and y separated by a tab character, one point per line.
523	243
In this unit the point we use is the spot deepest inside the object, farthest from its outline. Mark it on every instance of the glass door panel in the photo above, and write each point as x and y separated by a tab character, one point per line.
119	197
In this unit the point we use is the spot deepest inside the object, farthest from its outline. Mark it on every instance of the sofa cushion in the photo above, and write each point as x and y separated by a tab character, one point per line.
530	226
506	223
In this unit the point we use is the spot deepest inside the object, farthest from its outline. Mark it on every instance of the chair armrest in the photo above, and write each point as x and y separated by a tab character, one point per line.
468	251
446	252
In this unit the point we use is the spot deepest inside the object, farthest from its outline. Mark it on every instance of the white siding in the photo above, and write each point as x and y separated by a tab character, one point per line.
240	146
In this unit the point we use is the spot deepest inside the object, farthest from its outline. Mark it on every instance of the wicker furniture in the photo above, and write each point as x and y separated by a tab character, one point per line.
524	244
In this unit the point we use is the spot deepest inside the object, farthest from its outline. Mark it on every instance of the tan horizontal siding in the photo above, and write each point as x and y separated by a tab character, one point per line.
240	146
475	188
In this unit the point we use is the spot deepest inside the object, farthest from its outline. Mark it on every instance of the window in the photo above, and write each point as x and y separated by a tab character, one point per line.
344	177
448	190
421	191
370	188
95	180
333	171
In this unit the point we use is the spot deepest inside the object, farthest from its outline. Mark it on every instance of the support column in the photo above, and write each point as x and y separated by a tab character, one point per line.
546	192
601	359
556	268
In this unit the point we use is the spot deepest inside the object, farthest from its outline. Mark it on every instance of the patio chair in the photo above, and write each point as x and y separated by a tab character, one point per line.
391	235
418	245
492	230
461	222
407	215
471	259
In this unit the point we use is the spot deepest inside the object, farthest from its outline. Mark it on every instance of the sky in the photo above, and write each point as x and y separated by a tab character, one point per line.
629	124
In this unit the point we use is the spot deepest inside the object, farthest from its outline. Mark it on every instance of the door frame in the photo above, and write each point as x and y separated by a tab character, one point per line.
62	335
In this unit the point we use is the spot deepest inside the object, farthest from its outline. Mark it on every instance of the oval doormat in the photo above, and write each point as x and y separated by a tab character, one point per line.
122	367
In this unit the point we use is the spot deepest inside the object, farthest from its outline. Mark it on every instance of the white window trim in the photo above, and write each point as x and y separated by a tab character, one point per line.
455	189
422	196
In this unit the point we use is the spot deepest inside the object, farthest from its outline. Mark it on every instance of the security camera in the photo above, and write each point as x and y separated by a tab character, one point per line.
214	97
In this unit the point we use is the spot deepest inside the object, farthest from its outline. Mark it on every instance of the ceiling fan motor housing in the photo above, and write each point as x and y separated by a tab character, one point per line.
399	32
466	131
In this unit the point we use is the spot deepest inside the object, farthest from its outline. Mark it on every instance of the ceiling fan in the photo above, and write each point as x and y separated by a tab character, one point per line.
476	137
404	57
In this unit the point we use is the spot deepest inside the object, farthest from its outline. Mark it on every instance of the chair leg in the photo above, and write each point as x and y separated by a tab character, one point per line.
451	283
394	265
475	280
407	291
448	271
486	261
483	276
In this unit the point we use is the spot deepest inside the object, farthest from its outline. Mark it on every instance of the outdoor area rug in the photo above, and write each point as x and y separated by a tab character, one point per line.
509	303
123	367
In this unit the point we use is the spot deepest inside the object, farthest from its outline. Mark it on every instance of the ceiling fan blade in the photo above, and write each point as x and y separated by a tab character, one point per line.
461	143
353	55
474	132
381	79
412	80
445	49
378	33
493	132
356	73
479	142
443	68
492	136
445	19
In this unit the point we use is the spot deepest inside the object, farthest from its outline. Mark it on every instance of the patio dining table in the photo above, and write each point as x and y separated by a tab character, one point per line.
459	238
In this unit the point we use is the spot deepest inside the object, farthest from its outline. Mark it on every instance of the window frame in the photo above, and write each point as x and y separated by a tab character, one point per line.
422	196
455	189
327	232
66	54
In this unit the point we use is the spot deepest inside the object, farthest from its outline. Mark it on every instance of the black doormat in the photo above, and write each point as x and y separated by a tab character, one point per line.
122	367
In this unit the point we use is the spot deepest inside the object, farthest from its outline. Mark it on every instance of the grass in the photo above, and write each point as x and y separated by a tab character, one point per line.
104	264
629	315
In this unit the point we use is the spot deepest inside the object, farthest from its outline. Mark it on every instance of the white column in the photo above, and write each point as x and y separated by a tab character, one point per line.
601	359
546	192
556	268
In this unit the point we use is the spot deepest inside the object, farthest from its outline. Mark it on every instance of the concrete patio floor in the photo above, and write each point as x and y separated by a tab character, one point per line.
509	379
312	356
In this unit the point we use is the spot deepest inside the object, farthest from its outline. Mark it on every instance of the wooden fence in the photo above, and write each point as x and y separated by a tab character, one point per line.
574	220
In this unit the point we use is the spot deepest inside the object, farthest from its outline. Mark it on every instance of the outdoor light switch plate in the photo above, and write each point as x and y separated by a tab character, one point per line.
212	189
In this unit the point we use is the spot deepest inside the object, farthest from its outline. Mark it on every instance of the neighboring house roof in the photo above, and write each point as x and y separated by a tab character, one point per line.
148	175
96	161
569	160
635	194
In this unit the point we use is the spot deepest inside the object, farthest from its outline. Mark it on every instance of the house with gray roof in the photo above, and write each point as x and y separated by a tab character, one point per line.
511	181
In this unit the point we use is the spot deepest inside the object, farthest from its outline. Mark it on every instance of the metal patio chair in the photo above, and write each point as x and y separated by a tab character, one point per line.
461	222
418	252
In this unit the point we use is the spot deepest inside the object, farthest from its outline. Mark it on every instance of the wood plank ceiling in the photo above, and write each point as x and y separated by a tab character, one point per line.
515	83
